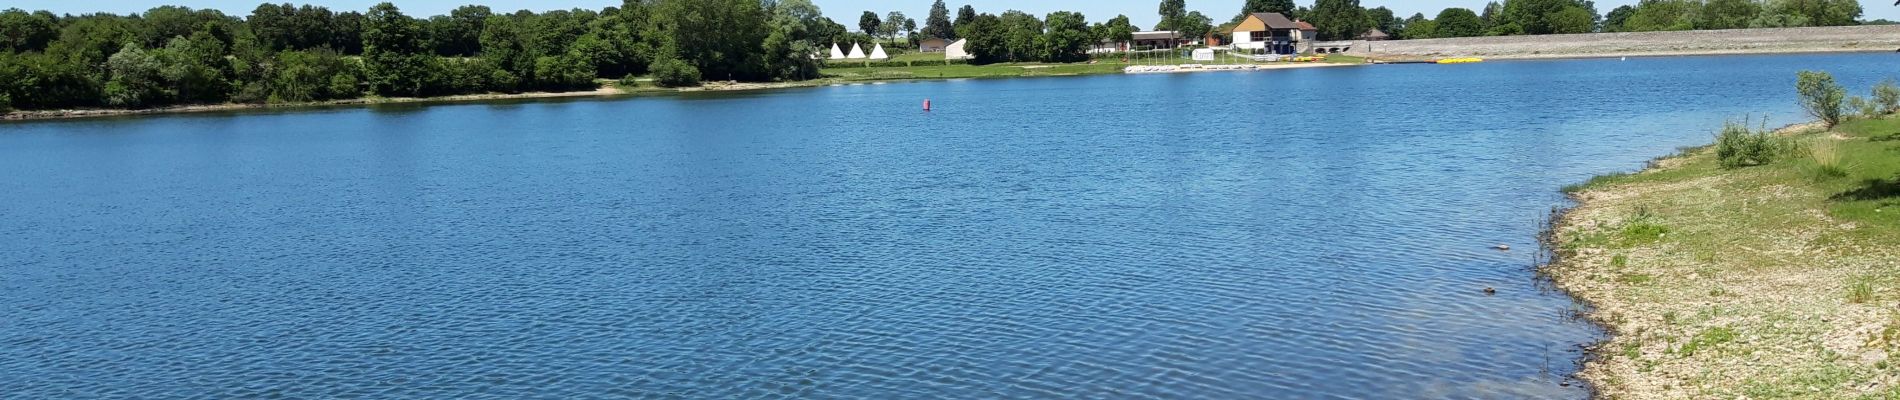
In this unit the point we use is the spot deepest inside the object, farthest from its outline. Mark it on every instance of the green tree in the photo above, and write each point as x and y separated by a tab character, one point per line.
893	24
1727	14
1458	22
1887	96
136	79
312	75
1171	12
1338	19
987	43
166	22
1572	19
460	32
1539	17
1614	21
673	72
347	33
1119	29
964	15
1068	38
1022	36
191	69
1492	15
869	23
504	45
1418	27
1266	6
1263	6
1383	19
21	31
788	48
1663	15
721	38
1781	13
397	62
938	25
1820	96
1195	26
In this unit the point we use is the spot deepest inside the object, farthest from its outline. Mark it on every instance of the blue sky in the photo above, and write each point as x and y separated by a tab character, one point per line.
844	11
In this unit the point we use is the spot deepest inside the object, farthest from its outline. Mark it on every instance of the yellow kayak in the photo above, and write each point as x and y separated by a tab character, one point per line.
1467	60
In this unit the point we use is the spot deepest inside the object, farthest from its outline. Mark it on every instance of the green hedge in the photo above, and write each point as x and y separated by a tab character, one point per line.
887	64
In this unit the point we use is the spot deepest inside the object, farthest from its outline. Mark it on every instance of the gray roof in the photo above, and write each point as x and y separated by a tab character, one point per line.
1276	21
1157	35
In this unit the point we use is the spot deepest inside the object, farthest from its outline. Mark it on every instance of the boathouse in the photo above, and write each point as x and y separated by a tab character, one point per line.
1273	33
1153	40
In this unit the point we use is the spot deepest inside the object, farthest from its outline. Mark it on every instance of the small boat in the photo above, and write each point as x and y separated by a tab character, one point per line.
1466	60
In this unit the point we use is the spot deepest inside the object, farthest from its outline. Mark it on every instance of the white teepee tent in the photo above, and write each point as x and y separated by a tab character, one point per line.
878	53
836	54
856	52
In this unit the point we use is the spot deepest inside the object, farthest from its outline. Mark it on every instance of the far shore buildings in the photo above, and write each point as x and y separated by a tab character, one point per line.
1154	40
932	45
1374	35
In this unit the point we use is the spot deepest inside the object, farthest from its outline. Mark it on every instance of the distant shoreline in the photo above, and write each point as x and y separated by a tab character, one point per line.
1817	40
605	91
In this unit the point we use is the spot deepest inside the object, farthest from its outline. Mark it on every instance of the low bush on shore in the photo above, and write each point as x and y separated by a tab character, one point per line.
1820	96
1737	145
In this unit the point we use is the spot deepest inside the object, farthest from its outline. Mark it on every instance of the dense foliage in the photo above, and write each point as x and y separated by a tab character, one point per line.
288	53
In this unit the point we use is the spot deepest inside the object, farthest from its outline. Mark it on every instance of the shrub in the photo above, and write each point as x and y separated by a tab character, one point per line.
1862	107
1887	96
6	103
1827	160
567	72
1738	146
672	72
1820	96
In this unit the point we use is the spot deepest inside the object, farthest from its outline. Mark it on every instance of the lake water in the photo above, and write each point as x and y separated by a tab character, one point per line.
1316	233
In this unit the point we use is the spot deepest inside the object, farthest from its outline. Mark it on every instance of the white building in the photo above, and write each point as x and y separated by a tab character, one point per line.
955	50
1271	32
856	52
878	53
836	53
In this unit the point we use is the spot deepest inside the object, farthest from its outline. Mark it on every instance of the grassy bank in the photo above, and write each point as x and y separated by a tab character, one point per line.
1772	281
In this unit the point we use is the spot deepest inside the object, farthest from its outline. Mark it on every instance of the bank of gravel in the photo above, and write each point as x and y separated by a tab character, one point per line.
1773	281
1644	44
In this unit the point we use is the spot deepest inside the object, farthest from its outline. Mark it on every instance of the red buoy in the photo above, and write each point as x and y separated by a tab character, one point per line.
926	104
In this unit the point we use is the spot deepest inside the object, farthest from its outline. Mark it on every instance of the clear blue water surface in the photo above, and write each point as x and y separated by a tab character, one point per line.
1286	234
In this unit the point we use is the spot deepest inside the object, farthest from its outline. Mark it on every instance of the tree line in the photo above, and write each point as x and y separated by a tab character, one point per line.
284	53
1347	19
1537	17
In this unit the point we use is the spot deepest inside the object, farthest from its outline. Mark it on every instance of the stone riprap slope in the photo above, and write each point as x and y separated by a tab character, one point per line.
1735	41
